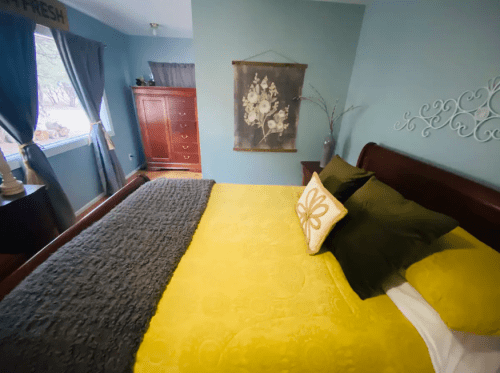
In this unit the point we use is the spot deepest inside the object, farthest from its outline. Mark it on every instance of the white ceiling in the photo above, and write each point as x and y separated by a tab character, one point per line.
133	17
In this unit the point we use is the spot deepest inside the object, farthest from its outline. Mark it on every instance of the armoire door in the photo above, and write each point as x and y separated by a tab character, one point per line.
154	128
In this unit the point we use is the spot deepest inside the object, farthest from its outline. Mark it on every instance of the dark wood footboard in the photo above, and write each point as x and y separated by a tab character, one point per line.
17	276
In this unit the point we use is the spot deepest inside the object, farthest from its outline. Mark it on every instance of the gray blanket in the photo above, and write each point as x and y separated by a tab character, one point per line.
88	306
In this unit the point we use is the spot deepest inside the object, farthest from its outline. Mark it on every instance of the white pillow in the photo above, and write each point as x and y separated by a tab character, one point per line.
318	213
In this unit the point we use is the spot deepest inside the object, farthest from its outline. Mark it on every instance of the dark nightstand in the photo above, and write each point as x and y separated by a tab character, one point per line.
27	224
27	221
308	168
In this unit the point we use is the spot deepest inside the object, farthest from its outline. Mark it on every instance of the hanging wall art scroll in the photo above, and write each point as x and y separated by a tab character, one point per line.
473	114
266	116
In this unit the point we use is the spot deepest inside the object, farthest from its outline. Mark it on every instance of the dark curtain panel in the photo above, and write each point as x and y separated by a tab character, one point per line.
173	74
19	108
83	60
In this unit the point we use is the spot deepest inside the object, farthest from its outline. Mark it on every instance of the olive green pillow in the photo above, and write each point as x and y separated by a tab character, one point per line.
341	179
382	233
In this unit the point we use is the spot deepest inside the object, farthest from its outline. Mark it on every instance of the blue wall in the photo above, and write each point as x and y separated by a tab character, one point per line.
321	34
411	53
142	49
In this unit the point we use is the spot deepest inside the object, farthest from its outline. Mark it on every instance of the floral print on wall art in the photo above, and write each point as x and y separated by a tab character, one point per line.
266	113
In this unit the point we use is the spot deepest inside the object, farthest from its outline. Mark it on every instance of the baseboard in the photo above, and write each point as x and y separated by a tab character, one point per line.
101	197
90	204
132	173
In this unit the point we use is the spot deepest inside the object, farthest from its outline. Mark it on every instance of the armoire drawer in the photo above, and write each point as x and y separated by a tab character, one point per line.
185	147
176	103
183	126
187	158
182	114
185	137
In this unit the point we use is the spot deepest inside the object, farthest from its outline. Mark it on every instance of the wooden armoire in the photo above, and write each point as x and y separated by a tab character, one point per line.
168	119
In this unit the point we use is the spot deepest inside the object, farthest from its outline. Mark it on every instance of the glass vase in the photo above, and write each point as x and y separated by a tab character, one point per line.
328	149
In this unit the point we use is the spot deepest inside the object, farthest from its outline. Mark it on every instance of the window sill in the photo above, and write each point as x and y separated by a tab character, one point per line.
15	160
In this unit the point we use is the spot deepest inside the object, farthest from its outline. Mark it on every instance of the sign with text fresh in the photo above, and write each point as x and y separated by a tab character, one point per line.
50	13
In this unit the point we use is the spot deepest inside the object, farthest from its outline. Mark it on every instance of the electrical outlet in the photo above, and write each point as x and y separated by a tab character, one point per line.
130	156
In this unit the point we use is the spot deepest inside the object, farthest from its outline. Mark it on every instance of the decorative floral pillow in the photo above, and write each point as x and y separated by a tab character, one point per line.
318	212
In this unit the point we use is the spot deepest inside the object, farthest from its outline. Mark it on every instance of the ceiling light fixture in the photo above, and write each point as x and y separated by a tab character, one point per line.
154	28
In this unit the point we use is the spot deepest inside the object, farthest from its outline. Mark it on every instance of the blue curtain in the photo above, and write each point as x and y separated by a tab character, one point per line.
83	60
173	74
19	108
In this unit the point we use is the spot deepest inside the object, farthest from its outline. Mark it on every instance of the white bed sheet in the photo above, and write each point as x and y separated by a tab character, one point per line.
451	351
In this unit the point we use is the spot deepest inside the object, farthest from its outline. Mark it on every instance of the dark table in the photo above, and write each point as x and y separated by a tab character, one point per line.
27	221
308	168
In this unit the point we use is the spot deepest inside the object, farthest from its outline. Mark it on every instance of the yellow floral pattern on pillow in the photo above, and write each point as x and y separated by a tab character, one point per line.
311	211
318	213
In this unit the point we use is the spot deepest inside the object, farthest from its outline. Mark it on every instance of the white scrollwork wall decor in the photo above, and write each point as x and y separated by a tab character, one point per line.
474	113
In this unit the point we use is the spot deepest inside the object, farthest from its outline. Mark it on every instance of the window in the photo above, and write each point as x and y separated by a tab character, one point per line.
61	118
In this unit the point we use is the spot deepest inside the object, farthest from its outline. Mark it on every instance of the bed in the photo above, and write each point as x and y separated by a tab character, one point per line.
237	292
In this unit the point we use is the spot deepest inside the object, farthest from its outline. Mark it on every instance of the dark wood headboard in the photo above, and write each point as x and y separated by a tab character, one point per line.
475	206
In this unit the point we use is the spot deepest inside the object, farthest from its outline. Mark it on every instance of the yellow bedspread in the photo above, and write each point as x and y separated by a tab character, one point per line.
247	298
